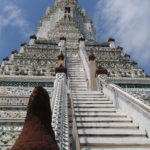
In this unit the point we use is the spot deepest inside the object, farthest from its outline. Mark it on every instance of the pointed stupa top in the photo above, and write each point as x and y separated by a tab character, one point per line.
65	1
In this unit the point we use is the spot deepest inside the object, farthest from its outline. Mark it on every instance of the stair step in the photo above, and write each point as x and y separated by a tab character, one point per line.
79	87
88	95
75	69
73	63
110	132
89	98
102	119
100	114
75	66
115	143
95	110
81	75
100	100
92	102
73	80
76	74
83	81
78	84
77	78
94	106
108	125
136	147
87	92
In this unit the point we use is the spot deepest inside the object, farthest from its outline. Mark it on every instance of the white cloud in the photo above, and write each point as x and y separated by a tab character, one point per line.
12	16
129	22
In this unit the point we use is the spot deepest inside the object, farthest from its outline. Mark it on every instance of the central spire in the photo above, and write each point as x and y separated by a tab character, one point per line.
65	19
58	1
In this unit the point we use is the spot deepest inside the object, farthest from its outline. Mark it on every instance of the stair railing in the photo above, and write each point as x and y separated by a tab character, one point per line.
84	58
75	136
60	115
132	106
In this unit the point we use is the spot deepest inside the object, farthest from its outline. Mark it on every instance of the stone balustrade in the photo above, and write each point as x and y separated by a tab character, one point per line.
129	104
59	105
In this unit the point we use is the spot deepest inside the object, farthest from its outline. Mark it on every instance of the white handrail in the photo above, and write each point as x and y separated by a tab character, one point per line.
60	116
125	94
84	58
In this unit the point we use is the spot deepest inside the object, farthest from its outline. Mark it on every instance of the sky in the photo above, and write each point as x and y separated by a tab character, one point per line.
127	21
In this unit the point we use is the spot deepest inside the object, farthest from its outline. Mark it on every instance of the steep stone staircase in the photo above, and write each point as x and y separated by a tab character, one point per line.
100	125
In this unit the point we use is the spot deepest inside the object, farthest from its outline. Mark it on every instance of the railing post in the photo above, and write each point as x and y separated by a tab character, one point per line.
60	116
62	44
84	59
92	67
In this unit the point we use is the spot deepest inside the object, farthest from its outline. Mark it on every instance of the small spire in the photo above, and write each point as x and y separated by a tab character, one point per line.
33	37
14	52
61	69
61	56
63	38
23	44
111	40
6	59
101	70
81	39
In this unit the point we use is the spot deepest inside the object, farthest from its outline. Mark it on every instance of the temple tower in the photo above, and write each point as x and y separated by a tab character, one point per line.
100	97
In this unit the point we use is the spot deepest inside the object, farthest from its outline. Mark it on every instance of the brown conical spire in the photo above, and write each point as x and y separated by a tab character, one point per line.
37	132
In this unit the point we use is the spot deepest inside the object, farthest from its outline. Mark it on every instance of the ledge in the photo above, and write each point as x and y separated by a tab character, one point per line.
127	80
27	78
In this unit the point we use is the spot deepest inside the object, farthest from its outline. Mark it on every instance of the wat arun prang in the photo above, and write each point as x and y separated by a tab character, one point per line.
78	72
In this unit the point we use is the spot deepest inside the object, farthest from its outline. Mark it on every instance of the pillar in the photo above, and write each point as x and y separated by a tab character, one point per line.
92	66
